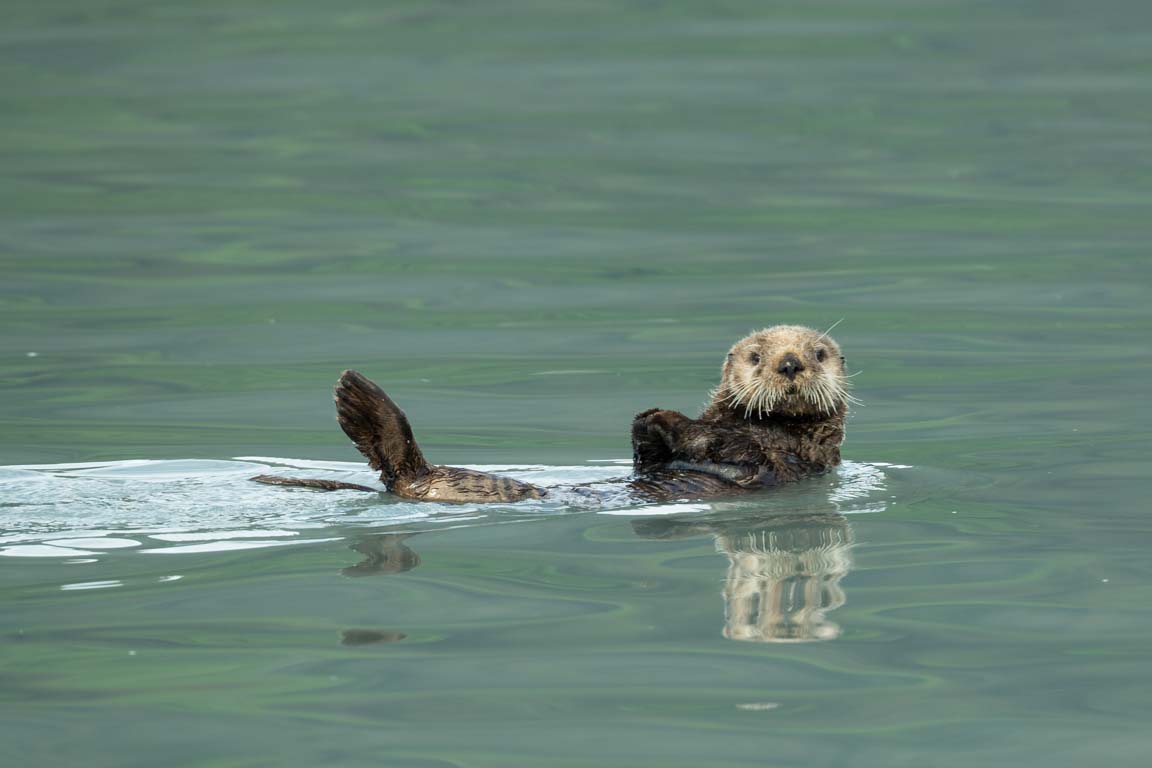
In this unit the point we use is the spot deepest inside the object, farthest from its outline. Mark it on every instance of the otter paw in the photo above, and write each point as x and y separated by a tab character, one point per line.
646	414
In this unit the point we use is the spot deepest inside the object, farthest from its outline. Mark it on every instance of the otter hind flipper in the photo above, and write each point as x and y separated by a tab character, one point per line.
378	427
382	433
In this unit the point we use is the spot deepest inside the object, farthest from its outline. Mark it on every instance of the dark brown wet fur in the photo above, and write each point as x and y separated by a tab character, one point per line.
303	482
761	429
382	433
750	452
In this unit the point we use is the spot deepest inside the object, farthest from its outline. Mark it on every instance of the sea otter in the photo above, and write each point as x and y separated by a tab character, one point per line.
777	416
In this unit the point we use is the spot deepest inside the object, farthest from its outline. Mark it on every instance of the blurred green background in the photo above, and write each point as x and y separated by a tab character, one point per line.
529	220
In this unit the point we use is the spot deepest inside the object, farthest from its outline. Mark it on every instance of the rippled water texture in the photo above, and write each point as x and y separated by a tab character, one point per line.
529	221
57	508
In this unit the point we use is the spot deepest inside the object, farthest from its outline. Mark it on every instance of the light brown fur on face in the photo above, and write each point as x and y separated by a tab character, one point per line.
786	370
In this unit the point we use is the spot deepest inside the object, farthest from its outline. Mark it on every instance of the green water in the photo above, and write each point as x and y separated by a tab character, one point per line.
529	221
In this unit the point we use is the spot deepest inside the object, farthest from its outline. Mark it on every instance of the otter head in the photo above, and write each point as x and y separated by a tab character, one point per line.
786	370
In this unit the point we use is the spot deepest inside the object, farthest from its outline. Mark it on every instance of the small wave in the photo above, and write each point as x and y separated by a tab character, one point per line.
93	509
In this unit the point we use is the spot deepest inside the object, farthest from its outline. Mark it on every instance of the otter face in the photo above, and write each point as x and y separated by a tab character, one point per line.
787	370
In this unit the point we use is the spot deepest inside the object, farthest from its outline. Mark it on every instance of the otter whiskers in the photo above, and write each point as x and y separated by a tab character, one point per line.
762	397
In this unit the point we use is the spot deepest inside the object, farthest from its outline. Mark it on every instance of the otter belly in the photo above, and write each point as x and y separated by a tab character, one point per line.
744	475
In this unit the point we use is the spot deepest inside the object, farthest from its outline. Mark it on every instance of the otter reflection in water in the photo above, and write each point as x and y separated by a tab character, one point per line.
384	553
784	571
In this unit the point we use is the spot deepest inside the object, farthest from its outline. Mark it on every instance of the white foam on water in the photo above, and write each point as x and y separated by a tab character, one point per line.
221	535
91	585
228	546
95	543
659	509
88	510
42	550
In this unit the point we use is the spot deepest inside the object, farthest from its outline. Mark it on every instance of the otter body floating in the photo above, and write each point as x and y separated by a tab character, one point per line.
776	417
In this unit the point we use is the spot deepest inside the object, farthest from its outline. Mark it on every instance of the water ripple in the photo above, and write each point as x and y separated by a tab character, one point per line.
190	505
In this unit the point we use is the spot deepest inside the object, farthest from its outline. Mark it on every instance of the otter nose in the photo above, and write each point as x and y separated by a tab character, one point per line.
790	365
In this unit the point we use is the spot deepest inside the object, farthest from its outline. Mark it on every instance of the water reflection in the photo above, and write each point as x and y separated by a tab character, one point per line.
783	578
383	553
784	571
369	637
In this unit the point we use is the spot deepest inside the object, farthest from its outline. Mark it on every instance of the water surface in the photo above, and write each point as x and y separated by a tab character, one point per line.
529	221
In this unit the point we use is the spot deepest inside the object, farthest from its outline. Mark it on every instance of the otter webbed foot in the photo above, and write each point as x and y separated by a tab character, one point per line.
378	427
382	433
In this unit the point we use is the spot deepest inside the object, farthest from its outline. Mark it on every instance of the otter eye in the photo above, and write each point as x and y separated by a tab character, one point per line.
754	358
820	355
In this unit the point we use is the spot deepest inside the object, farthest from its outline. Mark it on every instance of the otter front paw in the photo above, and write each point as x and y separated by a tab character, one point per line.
655	435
